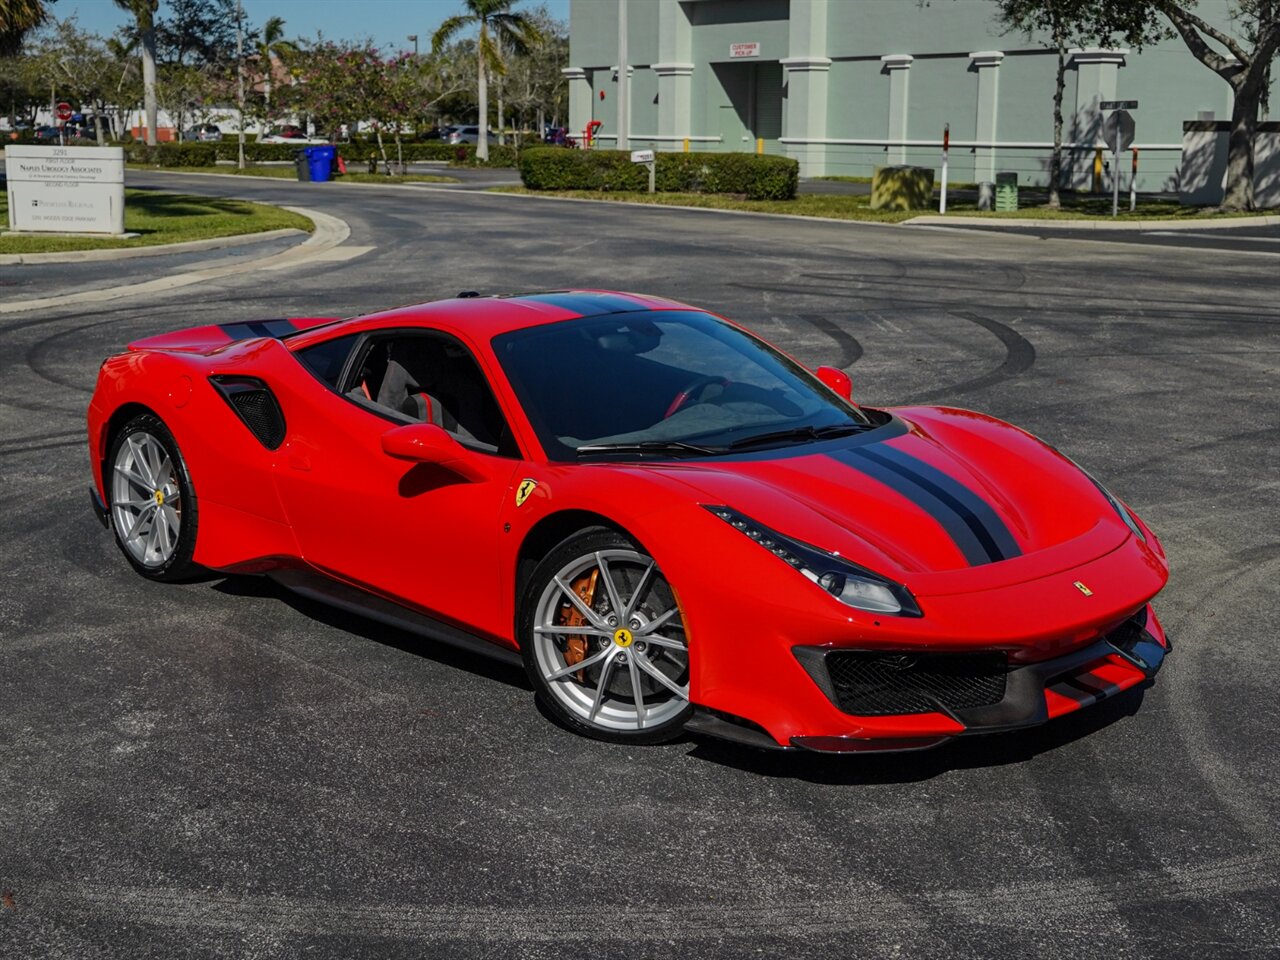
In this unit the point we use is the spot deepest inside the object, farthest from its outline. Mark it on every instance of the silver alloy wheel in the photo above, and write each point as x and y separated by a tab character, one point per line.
634	672
146	501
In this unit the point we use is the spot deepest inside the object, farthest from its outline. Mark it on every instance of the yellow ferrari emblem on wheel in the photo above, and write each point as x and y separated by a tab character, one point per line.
159	498
622	637
526	487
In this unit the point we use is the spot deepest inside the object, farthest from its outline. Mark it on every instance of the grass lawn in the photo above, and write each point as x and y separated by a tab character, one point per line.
166	218
845	207
288	173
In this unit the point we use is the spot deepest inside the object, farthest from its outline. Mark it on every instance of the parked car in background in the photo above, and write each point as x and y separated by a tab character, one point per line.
47	133
203	132
558	137
290	134
468	134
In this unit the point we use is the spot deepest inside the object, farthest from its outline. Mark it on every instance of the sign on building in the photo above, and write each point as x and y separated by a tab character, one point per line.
65	189
737	50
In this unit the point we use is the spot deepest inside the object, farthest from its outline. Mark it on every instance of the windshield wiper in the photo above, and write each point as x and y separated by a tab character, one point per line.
657	447
799	433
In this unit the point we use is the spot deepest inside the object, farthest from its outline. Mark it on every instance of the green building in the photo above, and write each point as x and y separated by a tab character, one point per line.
847	85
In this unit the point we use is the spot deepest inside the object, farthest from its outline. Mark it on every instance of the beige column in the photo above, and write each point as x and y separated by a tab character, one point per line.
898	67
987	65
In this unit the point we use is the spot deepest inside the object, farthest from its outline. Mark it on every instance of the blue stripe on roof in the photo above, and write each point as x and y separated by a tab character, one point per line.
588	304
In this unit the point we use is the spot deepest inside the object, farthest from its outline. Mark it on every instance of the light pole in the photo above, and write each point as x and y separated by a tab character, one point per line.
240	81
624	88
413	38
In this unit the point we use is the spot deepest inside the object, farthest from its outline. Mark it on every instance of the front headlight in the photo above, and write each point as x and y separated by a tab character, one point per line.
844	580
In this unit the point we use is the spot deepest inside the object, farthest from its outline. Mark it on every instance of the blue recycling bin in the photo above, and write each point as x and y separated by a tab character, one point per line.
320	162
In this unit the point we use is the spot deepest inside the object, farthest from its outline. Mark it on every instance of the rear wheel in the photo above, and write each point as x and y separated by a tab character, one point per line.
604	641
151	500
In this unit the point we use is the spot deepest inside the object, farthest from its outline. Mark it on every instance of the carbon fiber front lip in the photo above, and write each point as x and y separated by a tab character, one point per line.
1024	703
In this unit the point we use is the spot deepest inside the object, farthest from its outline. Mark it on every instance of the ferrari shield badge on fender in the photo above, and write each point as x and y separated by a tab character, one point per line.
523	491
1078	585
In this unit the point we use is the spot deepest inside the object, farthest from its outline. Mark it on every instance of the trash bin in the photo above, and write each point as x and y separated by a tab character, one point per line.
301	165
1006	191
320	160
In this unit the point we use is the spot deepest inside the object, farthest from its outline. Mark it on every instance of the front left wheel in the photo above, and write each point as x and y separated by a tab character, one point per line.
604	640
151	500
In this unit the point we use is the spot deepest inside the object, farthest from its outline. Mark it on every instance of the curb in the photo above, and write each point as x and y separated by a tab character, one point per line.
1231	223
959	223
329	233
667	206
160	250
251	176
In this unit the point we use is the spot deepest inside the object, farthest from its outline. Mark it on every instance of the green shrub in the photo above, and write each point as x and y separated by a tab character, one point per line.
172	154
755	176
192	154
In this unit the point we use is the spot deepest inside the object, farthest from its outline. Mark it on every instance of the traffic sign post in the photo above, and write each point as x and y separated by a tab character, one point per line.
946	150
1133	183
1117	131
649	160
63	113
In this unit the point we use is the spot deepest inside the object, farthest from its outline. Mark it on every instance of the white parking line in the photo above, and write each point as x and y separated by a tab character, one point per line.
1209	236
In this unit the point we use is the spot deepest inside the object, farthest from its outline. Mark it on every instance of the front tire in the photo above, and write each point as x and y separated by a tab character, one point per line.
604	641
151	500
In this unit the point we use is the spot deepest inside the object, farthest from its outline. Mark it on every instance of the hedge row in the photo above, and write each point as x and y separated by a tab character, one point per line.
207	154
757	176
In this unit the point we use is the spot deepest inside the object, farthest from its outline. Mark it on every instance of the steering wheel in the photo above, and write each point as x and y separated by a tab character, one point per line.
692	389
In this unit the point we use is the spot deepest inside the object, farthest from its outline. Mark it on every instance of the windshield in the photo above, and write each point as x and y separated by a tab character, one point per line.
667	383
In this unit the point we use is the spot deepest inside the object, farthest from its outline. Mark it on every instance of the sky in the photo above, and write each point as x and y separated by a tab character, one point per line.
387	22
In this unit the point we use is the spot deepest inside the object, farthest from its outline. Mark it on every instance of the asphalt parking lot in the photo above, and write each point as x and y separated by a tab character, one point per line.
218	769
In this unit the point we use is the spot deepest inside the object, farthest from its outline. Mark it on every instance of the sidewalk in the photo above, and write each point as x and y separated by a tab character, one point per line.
48	286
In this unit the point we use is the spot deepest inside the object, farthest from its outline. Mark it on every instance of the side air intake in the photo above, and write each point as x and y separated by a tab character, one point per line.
255	405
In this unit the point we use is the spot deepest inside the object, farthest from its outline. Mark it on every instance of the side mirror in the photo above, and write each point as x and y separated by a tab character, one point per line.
837	380
428	443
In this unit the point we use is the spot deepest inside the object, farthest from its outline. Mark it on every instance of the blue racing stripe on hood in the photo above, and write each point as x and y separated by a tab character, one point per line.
970	522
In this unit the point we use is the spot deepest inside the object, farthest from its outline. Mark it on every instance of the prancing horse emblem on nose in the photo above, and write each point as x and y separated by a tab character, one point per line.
1083	589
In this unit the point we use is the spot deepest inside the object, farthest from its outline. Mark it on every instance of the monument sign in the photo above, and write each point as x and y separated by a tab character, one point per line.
65	189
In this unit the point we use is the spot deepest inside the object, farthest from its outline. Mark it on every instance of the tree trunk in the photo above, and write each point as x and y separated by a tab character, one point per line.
482	125
149	83
1055	158
1238	194
266	89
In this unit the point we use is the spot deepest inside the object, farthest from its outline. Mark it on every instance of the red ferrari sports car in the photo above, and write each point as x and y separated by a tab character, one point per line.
672	524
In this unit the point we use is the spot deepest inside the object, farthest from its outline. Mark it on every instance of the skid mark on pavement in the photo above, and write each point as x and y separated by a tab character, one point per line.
848	345
1019	357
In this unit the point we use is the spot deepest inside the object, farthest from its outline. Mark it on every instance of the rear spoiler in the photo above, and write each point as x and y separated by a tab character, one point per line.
204	339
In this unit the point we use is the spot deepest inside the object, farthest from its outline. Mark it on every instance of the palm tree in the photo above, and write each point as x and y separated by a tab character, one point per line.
500	29
144	14
272	43
17	18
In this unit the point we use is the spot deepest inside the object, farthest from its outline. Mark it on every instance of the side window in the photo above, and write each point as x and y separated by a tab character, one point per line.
327	359
432	378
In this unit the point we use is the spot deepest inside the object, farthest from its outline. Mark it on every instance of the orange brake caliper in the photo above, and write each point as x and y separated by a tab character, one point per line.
576	649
